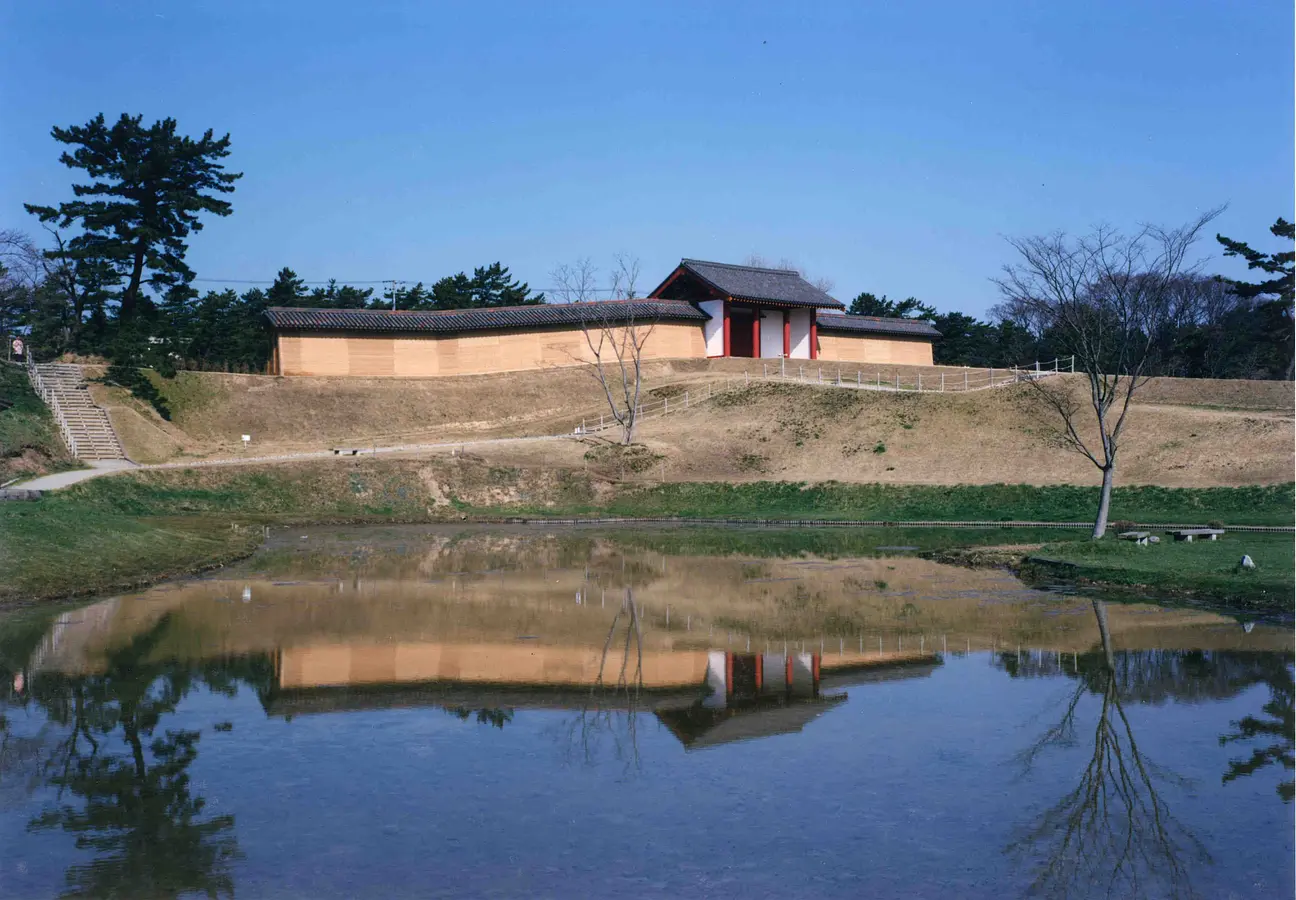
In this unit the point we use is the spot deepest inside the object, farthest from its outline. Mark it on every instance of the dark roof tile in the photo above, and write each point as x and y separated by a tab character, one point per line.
782	286
831	323
454	321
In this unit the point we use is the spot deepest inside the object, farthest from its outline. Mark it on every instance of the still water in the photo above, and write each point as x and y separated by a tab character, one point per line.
429	712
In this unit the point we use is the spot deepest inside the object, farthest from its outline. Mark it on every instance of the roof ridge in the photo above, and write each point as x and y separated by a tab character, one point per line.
473	309
707	262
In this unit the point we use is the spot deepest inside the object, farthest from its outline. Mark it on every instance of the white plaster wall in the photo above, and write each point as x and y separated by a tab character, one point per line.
716	677
713	330
800	326
771	333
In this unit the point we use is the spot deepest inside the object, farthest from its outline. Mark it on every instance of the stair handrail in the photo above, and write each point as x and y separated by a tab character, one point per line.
46	393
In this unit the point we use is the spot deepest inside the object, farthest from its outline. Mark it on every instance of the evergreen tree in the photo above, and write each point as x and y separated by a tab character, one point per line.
148	188
1280	286
492	286
452	292
866	304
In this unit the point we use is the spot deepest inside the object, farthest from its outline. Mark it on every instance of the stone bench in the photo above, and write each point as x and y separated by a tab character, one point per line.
1142	538
1187	534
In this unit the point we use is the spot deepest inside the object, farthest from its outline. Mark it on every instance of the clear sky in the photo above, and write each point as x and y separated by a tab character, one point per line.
885	146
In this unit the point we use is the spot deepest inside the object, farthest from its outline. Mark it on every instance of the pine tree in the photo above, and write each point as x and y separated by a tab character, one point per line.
148	188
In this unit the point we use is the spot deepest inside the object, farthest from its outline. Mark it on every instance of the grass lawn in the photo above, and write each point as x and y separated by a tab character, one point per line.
59	550
1269	505
1204	569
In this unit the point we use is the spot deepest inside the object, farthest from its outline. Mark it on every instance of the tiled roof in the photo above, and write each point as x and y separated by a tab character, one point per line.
781	286
453	321
843	324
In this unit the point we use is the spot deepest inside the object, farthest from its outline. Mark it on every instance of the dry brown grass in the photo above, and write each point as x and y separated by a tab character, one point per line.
796	433
1187	433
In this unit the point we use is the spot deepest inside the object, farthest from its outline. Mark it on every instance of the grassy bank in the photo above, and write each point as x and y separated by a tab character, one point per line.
53	550
991	502
29	439
442	489
1203	571
113	532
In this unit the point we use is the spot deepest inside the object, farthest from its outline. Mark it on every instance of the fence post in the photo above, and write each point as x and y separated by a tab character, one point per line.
992	376
821	374
686	399
942	382
879	380
859	379
746	379
965	380
1037	367
897	381
920	382
665	405
1073	364
764	371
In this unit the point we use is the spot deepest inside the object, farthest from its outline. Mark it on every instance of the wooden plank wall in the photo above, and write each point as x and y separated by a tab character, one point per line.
875	350
417	356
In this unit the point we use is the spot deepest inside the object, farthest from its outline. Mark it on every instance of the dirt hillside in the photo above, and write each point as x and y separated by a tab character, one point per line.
1182	432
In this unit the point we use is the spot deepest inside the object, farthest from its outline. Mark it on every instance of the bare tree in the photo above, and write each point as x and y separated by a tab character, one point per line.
1113	834
1104	297
625	277
615	333
575	282
755	259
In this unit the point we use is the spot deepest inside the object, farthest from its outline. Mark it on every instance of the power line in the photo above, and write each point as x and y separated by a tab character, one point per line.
377	281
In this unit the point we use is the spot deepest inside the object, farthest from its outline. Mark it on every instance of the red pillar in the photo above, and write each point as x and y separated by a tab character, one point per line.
787	671
787	334
729	685
814	336
756	329
760	672
726	328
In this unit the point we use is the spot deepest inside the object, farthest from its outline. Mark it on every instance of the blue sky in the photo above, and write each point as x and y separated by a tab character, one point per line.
885	146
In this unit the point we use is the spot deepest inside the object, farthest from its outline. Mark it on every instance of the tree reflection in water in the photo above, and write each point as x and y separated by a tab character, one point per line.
134	807
607	718
1278	730
1112	833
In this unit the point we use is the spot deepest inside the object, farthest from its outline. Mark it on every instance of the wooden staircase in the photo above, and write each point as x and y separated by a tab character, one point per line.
85	427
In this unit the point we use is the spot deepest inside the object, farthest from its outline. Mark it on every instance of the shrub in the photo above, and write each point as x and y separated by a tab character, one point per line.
879	447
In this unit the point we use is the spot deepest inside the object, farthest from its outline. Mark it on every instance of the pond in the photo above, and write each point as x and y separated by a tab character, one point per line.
399	712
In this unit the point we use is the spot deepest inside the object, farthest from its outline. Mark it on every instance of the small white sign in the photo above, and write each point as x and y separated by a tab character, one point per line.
246	438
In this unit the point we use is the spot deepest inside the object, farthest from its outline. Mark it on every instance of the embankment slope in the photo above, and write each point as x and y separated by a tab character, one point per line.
1181	433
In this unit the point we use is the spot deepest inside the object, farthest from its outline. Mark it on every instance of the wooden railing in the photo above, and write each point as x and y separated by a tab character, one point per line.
46	393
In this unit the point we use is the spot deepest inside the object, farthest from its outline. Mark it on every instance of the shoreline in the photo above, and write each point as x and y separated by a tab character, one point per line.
1033	570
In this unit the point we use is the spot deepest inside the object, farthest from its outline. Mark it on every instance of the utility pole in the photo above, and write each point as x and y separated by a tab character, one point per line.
395	285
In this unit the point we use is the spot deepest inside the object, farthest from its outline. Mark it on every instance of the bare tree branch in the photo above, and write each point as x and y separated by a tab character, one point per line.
1106	297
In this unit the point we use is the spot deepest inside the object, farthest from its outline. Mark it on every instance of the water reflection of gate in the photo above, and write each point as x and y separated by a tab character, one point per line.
702	697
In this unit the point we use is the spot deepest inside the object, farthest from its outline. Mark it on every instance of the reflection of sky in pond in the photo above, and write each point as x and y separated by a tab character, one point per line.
340	734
